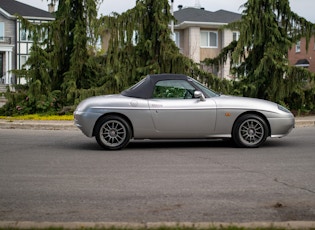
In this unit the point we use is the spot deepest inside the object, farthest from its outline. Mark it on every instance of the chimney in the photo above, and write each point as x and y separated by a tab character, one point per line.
197	4
51	8
180	7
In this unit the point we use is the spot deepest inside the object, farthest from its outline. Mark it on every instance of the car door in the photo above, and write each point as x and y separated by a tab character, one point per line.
177	114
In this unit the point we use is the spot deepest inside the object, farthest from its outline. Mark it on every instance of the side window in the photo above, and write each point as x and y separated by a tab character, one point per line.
173	89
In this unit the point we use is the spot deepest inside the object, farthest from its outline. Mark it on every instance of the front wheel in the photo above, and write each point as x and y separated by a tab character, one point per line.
112	133
250	131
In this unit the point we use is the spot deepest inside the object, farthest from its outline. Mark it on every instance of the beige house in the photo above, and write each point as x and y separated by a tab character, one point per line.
198	35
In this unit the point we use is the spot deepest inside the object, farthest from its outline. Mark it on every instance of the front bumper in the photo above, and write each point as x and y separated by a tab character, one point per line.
85	122
281	127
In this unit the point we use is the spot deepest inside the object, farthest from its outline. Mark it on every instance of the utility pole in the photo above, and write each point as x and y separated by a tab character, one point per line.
172	22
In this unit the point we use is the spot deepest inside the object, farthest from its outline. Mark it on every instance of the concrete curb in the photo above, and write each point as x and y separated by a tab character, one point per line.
69	125
304	123
154	225
37	124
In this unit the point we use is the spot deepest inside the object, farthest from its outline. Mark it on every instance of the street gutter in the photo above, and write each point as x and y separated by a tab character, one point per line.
154	225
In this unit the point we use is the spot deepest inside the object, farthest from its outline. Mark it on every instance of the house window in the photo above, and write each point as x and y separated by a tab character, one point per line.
134	38
2	77
23	59
23	35
177	39
1	31
209	39
298	47
236	36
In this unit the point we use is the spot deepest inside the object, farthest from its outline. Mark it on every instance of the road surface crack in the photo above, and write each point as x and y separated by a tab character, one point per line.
293	186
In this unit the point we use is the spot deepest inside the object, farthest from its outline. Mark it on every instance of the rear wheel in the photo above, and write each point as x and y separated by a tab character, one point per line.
250	131
112	132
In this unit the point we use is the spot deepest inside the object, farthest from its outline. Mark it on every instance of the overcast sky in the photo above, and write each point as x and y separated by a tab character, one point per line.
304	8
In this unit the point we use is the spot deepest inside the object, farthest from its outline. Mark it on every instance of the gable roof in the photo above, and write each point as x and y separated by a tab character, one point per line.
12	7
191	14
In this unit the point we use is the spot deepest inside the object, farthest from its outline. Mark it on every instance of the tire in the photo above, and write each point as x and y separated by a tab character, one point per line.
112	132
250	131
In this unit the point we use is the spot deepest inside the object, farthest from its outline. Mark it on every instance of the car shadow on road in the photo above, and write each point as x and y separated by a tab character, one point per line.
158	144
193	144
212	143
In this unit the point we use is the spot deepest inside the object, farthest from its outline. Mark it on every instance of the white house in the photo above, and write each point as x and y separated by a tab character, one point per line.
14	41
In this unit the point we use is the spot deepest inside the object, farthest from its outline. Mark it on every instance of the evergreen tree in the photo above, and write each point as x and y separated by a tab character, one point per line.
38	96
268	29
73	19
59	64
141	44
65	70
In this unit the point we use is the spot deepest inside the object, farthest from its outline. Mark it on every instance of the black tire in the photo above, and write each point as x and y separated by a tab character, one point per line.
112	132
250	131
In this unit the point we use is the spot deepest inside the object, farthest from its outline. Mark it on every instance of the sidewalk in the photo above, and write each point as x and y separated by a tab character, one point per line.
307	121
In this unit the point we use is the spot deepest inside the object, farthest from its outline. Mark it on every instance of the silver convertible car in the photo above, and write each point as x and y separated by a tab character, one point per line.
175	106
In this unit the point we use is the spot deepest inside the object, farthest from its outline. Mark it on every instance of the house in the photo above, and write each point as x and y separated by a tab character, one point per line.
199	34
15	43
299	56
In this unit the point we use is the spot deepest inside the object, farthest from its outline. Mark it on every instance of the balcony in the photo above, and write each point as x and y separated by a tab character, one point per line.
5	40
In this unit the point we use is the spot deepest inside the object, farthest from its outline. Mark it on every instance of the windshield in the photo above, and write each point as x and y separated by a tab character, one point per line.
205	90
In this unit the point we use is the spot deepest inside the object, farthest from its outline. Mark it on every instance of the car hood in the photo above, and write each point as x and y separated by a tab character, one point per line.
234	102
100	101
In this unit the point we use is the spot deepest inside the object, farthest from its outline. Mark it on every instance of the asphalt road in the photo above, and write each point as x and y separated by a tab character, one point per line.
65	176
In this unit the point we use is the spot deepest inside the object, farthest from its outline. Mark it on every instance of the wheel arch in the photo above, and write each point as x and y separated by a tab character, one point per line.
261	115
114	114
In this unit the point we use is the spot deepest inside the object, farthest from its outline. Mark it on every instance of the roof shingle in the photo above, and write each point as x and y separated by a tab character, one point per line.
200	15
13	7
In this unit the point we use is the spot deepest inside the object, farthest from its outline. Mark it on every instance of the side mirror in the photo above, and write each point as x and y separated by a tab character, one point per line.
198	94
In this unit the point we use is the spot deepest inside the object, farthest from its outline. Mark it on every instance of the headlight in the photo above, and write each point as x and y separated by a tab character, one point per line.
280	107
78	108
81	106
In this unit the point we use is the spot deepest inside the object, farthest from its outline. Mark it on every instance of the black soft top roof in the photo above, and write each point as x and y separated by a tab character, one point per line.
144	88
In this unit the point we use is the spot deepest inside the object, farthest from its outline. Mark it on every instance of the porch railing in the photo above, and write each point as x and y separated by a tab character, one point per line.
5	40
